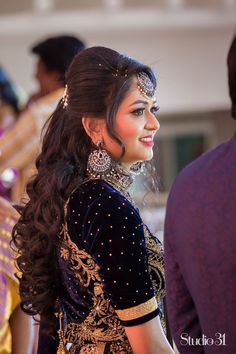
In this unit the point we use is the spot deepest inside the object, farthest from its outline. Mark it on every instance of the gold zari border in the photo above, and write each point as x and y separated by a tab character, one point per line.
137	311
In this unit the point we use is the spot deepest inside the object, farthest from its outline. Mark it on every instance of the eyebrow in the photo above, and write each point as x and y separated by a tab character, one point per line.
141	101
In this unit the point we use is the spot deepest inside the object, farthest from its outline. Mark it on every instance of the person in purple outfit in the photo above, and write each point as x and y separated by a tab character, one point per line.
200	247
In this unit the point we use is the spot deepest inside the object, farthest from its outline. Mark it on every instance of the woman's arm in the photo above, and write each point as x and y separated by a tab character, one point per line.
23	332
148	338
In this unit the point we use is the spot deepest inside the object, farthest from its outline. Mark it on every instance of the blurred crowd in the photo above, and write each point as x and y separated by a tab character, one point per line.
21	122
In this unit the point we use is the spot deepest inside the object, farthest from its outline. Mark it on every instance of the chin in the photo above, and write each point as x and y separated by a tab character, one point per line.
147	157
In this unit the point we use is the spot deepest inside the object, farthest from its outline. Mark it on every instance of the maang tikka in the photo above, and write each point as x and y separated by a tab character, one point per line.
99	162
145	85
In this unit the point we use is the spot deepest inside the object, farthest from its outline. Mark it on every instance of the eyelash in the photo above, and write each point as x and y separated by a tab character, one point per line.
155	110
139	111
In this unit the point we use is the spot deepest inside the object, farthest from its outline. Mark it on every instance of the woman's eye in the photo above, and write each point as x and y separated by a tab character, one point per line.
155	110
138	112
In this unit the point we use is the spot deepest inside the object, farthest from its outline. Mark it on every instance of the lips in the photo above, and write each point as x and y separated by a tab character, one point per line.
147	140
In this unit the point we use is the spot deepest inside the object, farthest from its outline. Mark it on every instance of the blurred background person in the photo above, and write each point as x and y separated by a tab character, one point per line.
20	144
9	110
54	57
9	101
17	331
200	247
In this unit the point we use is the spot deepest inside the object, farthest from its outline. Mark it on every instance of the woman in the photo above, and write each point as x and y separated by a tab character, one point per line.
9	102
88	262
9	111
17	332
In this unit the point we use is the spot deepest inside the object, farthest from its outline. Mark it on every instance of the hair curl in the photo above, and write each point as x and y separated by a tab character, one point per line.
93	90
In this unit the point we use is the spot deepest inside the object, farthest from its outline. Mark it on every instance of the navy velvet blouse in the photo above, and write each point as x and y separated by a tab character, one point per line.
112	272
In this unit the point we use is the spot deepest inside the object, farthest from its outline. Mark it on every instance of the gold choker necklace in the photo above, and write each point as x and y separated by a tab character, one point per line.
118	177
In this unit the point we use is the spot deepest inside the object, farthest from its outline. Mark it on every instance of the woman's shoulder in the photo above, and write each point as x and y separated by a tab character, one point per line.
97	191
100	196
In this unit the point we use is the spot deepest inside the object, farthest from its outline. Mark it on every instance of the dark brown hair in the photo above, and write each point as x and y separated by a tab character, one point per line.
58	52
231	62
98	80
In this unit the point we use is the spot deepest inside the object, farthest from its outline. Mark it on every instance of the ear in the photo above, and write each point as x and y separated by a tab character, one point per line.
55	75
94	128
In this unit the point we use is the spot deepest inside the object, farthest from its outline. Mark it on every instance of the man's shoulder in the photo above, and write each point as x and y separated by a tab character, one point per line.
203	180
51	98
212	160
40	110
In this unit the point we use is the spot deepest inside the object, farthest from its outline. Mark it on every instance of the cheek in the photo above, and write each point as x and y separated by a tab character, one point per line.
128	131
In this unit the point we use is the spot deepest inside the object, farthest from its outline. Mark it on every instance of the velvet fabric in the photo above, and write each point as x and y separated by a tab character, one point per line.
104	225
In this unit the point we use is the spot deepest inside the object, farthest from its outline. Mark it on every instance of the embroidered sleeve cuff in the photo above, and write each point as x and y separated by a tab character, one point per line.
138	314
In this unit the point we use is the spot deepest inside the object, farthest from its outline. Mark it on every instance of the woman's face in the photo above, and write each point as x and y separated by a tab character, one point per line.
135	125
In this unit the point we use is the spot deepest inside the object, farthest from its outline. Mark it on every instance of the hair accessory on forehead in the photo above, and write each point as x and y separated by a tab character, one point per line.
145	84
65	97
118	72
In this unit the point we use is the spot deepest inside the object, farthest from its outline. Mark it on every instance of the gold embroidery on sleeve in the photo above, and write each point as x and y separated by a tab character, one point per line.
101	329
155	263
84	267
102	325
138	311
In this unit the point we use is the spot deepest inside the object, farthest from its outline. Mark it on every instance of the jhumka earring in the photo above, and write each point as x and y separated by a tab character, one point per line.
99	162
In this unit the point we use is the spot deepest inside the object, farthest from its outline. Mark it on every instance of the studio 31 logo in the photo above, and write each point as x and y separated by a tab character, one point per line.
218	340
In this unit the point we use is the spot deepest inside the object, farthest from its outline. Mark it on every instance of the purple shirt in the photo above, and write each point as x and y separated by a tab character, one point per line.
200	253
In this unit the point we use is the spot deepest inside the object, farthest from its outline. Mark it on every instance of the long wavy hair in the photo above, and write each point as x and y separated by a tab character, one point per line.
97	81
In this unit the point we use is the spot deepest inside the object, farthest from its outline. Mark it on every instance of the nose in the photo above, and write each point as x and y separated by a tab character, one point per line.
152	123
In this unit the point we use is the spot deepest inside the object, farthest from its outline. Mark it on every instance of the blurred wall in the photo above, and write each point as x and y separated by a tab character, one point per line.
189	58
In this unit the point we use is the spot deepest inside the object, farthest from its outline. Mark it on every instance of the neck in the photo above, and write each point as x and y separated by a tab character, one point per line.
53	86
115	174
126	166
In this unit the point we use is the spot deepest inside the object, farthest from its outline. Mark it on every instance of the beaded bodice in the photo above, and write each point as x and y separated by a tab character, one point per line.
92	311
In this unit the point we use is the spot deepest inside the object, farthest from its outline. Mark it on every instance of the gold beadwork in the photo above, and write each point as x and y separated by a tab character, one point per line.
101	314
155	263
138	311
119	179
102	324
82	264
61	348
